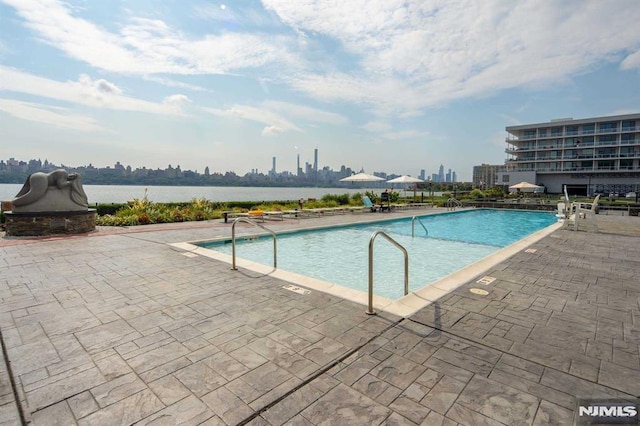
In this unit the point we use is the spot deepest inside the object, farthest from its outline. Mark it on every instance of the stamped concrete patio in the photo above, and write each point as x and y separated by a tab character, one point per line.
119	327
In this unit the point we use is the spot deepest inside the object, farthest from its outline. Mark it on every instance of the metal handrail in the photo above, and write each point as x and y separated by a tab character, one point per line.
453	202
233	240
413	219
370	310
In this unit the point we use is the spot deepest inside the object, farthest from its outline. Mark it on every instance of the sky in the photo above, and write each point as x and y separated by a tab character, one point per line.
393	86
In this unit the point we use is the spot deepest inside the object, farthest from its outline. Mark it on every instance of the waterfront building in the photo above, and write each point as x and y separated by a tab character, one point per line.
486	175
590	155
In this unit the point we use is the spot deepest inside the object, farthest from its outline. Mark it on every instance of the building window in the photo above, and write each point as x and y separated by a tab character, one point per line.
606	165
610	126
587	141
586	165
505	178
628	126
572	130
626	164
588	128
606	139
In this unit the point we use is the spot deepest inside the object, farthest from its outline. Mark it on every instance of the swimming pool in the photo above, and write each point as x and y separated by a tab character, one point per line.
339	255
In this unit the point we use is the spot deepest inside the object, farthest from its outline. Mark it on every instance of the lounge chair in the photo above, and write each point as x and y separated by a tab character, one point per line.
592	207
582	216
368	204
385	202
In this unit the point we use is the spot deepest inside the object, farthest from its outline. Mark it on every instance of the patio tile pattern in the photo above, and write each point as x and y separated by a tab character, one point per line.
118	327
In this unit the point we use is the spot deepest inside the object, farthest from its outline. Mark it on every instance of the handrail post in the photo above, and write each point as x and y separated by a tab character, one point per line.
233	241
370	310
413	219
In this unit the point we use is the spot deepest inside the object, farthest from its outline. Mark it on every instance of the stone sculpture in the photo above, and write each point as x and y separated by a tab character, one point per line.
57	191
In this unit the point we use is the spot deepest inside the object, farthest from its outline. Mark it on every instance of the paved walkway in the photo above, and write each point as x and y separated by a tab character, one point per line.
118	327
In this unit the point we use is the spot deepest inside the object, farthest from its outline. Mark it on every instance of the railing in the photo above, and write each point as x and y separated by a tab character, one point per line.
233	241
413	222
370	310
573	133
452	203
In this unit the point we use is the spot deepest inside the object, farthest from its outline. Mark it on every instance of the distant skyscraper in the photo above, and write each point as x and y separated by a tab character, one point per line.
454	177
298	169
273	167
441	173
315	160
448	178
422	174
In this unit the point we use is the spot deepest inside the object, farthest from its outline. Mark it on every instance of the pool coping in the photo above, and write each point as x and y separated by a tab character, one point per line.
403	307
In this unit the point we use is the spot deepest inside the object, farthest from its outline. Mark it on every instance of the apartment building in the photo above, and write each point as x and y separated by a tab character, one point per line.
486	175
591	155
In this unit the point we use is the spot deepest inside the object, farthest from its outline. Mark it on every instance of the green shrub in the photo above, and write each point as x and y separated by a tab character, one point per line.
476	193
336	199
356	199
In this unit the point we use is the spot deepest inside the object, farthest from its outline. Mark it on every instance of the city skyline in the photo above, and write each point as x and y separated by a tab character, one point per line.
398	86
311	172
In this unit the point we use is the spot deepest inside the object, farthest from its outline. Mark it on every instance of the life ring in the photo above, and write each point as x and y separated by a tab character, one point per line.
256	213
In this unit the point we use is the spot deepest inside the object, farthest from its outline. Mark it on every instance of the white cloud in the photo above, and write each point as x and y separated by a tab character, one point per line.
392	57
148	46
177	103
632	61
307	113
415	54
58	117
245	112
173	83
405	134
377	126
94	93
271	130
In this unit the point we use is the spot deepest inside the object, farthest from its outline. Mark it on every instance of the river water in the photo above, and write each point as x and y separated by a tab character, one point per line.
122	193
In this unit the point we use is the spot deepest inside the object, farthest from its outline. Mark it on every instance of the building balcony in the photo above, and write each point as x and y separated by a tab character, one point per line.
572	133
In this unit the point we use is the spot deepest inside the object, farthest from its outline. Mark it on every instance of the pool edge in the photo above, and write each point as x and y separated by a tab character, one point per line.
405	306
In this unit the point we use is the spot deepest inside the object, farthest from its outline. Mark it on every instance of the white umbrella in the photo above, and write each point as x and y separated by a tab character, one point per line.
361	177
524	186
405	179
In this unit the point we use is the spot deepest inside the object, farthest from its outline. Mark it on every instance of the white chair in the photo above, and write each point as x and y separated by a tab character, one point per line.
582	215
562	211
585	208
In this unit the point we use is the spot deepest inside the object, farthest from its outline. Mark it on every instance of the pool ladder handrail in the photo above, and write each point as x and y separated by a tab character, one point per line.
370	310
413	220
233	241
452	203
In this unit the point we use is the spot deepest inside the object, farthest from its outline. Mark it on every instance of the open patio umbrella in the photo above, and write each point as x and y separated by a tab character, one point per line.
525	186
361	177
405	180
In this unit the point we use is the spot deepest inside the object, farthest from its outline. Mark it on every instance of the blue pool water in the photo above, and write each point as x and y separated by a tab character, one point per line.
340	255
